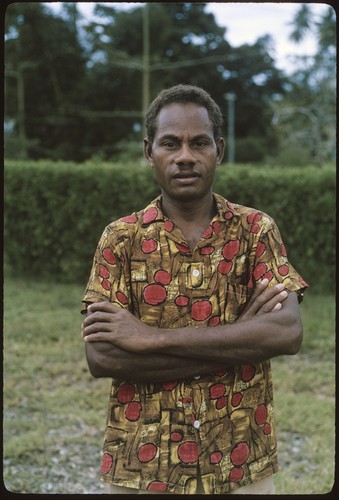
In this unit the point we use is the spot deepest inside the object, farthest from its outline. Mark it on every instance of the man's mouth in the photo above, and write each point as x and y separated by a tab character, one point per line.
186	178
186	175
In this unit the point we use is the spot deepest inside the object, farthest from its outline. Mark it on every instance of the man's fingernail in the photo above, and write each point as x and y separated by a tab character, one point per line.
264	281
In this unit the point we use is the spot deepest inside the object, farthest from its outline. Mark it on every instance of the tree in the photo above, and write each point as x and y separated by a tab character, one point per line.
43	55
80	85
307	116
186	46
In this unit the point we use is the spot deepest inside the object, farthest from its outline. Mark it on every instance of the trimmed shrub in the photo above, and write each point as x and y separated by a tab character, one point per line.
55	212
302	202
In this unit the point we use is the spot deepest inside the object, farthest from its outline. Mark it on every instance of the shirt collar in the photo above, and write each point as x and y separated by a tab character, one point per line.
153	212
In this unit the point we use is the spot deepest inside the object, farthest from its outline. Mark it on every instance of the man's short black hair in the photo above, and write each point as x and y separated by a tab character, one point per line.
183	94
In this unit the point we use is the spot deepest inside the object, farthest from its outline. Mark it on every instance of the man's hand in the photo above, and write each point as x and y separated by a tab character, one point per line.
109	323
264	299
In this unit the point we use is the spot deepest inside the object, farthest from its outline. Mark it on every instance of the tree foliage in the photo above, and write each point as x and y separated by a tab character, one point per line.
307	115
43	53
75	87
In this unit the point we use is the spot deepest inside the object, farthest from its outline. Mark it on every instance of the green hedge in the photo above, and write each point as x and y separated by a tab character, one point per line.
55	212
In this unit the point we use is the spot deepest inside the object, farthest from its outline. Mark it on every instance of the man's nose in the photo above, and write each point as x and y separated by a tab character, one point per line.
185	155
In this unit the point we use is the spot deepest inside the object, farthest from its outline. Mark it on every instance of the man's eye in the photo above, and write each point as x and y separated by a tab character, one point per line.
200	144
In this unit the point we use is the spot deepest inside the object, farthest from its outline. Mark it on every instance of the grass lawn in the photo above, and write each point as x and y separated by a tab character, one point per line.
54	411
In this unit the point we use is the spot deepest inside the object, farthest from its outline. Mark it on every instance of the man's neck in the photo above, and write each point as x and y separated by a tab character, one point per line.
189	211
191	217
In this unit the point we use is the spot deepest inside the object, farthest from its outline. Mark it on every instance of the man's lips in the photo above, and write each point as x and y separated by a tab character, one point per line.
186	178
186	175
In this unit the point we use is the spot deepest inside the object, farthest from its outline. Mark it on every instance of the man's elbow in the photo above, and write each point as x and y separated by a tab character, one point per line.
95	370
94	361
295	337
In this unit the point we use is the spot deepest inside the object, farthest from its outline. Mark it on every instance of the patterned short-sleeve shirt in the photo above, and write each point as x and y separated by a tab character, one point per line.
159	434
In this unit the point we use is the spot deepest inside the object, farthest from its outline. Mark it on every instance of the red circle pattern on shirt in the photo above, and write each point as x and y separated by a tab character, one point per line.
188	452
147	452
121	297
176	436
231	249
150	215
240	454
126	393
109	256
217	390
103	271
154	294
247	373
261	414
133	411
162	277
149	246
157	486
225	266
130	219
215	457
236	474
106	463
181	301
201	310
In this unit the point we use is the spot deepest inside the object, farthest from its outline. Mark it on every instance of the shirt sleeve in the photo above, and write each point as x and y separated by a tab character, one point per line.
271	261
108	278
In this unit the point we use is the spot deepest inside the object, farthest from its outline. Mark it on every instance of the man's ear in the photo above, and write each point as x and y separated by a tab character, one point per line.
148	152
220	150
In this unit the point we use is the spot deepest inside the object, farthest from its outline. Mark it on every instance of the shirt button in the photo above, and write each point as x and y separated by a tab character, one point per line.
196	424
196	272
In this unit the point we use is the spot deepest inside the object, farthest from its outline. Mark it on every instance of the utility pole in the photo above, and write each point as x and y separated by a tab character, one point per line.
146	66
230	98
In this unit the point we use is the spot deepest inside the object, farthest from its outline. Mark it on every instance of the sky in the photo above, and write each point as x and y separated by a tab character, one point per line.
247	21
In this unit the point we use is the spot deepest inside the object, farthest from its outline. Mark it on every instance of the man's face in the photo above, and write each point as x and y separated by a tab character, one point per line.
184	153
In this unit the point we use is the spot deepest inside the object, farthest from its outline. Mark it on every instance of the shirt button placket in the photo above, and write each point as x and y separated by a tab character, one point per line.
196	272
187	405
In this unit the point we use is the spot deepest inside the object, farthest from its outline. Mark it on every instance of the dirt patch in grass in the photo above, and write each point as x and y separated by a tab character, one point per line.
66	467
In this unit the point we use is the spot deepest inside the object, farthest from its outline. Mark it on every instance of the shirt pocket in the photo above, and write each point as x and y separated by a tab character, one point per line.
234	299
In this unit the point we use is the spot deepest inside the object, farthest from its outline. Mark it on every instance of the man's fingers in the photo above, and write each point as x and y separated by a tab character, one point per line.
91	328
275	303
102	306
99	337
263	295
260	287
96	317
101	312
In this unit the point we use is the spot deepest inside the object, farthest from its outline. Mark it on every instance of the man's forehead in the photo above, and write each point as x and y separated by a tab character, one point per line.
179	114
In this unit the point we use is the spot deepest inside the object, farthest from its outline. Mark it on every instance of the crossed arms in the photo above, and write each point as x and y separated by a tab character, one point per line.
120	346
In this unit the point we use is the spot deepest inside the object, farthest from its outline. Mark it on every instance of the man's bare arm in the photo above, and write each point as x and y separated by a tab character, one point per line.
107	360
257	339
129	334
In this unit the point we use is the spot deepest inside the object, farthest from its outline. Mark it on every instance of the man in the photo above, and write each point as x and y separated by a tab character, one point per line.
187	302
